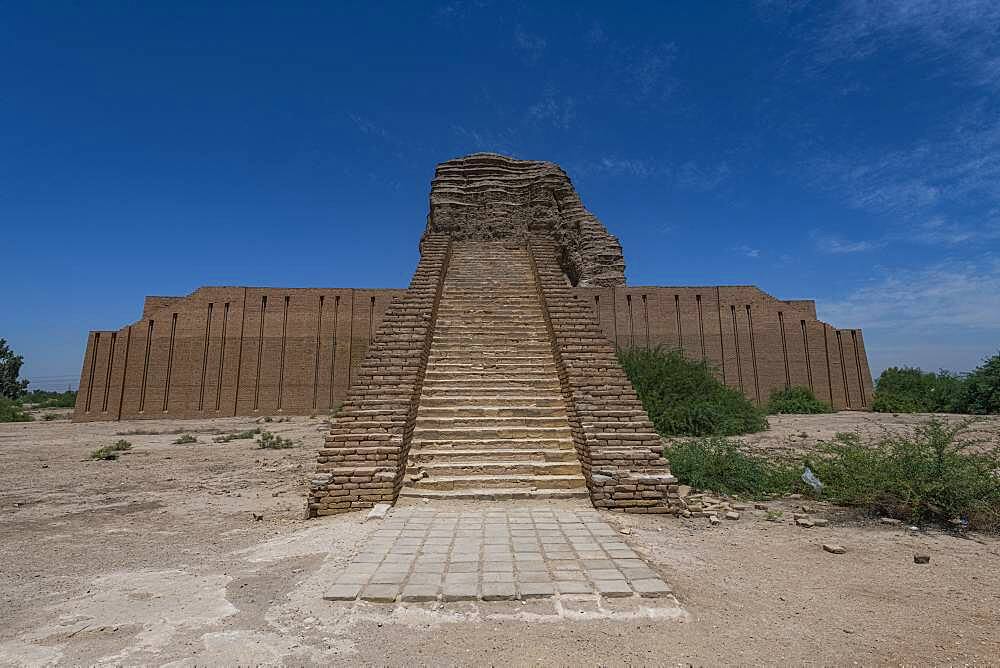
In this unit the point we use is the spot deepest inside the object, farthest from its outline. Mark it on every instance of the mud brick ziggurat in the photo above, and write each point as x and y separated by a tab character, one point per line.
492	375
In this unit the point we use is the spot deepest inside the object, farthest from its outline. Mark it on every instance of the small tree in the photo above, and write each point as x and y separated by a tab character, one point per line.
10	368
982	388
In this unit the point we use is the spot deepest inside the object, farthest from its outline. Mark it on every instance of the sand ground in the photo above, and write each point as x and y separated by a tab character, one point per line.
157	558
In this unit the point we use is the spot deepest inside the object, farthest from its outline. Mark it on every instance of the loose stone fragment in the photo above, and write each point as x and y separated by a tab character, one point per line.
378	512
806	523
833	548
921	558
732	515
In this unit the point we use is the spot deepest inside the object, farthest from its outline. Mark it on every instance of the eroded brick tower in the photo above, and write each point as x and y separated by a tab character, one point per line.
489	378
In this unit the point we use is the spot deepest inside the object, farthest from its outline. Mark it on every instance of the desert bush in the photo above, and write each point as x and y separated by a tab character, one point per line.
796	400
981	395
719	464
910	390
237	436
46	399
11	411
931	475
683	398
184	439
269	441
111	452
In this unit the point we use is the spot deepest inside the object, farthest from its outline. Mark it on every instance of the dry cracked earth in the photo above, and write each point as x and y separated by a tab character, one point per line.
158	558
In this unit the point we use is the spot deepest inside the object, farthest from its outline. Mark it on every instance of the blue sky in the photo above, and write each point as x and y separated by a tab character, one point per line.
843	151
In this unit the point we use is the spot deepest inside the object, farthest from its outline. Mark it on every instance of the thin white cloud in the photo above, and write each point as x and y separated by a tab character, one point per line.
965	32
944	316
947	296
529	45
838	246
749	252
555	110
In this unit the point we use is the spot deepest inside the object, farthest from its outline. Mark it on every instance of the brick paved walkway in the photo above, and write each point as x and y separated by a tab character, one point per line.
424	555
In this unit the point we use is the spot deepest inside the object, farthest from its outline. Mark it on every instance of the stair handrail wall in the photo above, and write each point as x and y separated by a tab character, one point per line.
363	459
620	453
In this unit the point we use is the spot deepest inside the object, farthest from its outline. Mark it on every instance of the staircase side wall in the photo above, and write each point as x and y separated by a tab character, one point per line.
619	450
364	457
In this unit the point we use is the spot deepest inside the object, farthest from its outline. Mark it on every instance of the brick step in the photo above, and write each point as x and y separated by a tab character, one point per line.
450	387
489	323
548	400
476	443
497	365
496	493
425	421
453	482
443	455
488	356
469	433
527	332
495	466
486	410
495	375
479	347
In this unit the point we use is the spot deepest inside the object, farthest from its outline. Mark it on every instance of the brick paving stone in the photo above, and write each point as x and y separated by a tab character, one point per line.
575	587
613	588
651	588
459	592
497	577
420	593
461	578
353	578
425	579
343	592
498	567
499	591
605	574
535	589
533	576
380	593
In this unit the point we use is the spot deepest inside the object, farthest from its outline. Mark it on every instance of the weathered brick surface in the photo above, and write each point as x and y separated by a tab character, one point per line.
364	458
619	450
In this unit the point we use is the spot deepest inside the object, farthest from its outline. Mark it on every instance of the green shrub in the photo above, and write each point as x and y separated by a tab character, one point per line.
269	441
45	399
683	398
111	452
910	390
184	439
796	400
11	411
237	436
719	464
928	476
982	388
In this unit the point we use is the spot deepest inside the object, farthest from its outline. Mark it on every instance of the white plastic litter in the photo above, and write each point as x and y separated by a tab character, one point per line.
810	479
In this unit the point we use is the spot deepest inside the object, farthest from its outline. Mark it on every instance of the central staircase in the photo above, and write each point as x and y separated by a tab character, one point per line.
491	423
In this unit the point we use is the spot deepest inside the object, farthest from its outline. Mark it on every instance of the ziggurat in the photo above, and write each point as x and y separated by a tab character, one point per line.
493	375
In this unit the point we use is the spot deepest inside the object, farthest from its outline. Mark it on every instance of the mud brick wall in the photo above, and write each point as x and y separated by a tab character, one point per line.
757	344
364	458
620	452
224	351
